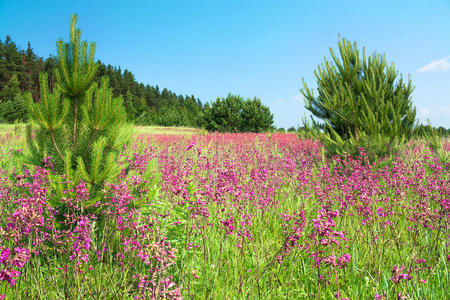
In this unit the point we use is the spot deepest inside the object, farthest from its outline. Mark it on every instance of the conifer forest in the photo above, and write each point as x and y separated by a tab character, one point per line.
115	189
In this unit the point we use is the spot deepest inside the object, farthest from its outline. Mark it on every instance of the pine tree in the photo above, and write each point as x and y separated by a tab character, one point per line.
361	103
30	71
129	106
79	124
10	90
12	102
10	62
28	59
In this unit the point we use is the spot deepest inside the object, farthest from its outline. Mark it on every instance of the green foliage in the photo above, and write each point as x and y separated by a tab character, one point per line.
147	105
256	117
12	102
422	130
14	110
130	106
11	64
234	114
361	102
292	129
80	125
11	89
224	115
433	140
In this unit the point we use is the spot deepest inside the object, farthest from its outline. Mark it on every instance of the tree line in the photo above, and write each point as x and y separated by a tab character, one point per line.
144	104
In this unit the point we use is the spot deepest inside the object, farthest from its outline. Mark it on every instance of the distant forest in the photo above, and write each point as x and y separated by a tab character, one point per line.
145	104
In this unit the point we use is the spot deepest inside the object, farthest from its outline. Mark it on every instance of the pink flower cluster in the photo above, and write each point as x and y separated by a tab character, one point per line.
11	263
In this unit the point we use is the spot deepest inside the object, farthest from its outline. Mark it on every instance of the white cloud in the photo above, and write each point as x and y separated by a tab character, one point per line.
424	112
436	65
298	99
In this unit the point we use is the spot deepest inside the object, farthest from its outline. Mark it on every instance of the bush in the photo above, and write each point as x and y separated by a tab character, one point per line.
234	114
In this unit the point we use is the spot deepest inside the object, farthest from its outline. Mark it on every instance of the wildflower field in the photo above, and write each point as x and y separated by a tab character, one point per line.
227	216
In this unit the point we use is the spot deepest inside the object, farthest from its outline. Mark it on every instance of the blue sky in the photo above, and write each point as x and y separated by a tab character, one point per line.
252	48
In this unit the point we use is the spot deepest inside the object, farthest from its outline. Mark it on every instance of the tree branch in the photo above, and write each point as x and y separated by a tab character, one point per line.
75	128
56	146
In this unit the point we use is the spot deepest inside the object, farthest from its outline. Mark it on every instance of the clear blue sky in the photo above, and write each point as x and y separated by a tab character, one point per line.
252	48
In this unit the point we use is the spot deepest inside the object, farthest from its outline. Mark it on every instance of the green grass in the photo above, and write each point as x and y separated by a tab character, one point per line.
167	130
9	128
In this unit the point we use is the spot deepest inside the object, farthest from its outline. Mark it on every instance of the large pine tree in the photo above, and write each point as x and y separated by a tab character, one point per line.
79	124
362	102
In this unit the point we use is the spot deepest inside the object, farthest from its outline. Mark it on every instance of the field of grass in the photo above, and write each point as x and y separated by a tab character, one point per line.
9	128
227	216
167	130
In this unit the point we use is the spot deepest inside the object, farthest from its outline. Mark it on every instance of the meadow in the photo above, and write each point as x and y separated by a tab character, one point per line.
227	216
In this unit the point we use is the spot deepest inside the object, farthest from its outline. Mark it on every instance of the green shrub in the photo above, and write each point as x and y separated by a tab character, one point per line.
234	114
